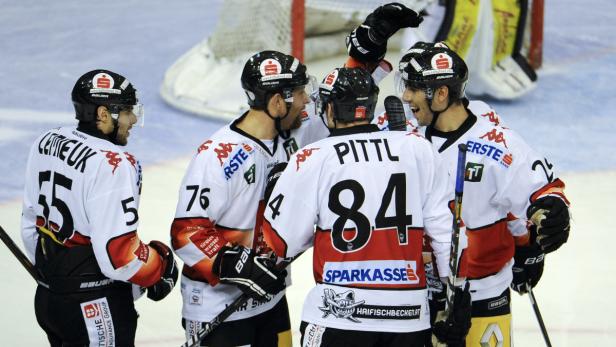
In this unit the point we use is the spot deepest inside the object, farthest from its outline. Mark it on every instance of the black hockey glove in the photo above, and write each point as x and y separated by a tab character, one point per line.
368	42
454	329
272	178
551	215
528	267
169	278
256	276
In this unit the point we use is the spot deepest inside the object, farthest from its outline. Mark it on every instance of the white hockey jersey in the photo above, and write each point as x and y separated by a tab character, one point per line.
371	195
84	191
220	202
503	176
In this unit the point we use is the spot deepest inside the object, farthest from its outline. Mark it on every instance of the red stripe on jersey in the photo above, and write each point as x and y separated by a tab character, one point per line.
557	188
274	241
489	249
125	248
382	245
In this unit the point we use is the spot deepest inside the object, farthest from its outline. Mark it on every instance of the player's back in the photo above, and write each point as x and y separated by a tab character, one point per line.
72	181
372	193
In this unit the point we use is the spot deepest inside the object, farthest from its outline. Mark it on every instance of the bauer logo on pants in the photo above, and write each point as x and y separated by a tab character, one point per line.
97	317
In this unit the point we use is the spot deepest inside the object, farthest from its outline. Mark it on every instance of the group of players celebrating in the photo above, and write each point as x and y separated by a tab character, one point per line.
308	165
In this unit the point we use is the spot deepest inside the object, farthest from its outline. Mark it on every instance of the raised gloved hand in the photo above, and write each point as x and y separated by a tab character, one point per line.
454	329
272	178
528	267
551	216
368	42
168	279
256	276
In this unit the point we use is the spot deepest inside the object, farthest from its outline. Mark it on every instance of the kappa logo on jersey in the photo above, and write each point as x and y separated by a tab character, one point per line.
249	175
490	152
204	146
473	172
371	272
113	158
236	161
492	117
290	147
495	136
341	305
133	161
301	157
223	150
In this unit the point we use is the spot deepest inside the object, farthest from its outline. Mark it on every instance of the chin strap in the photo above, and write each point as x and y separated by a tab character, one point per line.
285	134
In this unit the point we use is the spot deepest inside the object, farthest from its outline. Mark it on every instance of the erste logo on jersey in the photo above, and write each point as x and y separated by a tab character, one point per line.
237	160
371	272
492	152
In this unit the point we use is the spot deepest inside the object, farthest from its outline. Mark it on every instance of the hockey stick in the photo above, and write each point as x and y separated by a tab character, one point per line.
395	113
208	327
533	302
19	255
455	235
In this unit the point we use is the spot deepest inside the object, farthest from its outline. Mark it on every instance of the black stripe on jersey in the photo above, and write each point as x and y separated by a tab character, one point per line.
451	136
234	127
364	128
368	288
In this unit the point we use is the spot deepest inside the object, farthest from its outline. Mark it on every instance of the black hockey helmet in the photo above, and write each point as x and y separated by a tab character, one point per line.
104	88
351	91
268	73
435	67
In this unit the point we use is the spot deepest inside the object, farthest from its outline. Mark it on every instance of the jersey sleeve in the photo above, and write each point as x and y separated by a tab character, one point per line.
529	177
291	212
203	197
28	214
111	205
438	218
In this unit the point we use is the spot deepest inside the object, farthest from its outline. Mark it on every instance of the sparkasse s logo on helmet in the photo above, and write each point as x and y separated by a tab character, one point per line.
441	61
102	81
270	67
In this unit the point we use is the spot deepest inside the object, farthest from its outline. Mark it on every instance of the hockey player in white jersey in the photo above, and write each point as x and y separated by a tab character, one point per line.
80	220
371	195
505	180
219	213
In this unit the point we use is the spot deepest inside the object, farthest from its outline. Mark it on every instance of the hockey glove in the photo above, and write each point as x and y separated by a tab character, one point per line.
368	42
527	268
256	276
551	216
169	278
454	329
272	178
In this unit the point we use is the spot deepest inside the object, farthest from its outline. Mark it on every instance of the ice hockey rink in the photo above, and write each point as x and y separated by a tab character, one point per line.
45	46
